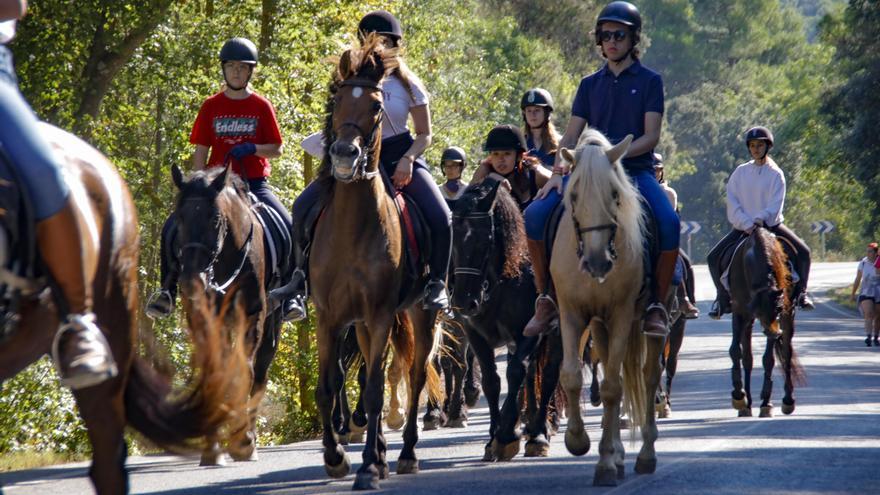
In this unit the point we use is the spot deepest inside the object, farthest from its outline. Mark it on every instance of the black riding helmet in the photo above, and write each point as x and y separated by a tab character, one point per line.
380	22
760	133
238	50
536	97
505	137
621	12
454	153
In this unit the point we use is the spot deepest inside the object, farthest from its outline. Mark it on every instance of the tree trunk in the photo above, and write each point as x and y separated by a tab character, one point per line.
267	23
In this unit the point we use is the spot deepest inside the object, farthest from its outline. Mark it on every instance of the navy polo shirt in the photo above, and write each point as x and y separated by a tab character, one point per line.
616	105
545	158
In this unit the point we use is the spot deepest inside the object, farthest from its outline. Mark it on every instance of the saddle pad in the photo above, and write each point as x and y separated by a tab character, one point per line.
415	231
277	239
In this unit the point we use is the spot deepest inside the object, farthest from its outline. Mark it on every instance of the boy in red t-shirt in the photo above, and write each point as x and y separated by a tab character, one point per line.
235	124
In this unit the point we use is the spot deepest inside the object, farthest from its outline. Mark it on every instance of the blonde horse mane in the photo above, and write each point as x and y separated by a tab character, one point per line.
595	179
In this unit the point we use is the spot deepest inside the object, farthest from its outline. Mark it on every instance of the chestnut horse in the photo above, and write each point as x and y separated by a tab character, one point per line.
138	395
760	287
598	269
221	245
358	269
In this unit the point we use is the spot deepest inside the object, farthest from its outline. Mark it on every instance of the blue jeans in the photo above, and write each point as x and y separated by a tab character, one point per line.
30	154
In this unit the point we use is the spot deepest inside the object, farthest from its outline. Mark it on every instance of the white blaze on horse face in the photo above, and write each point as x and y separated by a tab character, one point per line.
357	92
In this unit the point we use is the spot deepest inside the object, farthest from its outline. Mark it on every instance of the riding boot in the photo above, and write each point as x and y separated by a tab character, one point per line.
81	353
435	297
657	319
161	303
546	311
690	311
293	294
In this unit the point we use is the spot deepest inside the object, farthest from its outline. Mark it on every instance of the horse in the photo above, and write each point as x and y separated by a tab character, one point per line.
604	297
222	243
452	361
139	395
761	288
358	267
669	359
493	292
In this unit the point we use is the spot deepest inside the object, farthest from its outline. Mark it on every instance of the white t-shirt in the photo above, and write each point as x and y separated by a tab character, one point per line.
870	279
7	31
398	103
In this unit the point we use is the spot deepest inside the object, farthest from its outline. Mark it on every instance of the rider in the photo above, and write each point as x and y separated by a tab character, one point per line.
755	196
404	96
453	162
542	139
510	163
237	123
690	311
80	351
623	97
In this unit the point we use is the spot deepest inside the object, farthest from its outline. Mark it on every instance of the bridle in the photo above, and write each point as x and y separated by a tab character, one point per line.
360	166
485	286
580	231
215	253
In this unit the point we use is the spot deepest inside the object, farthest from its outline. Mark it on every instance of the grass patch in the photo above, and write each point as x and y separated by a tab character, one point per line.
843	297
15	461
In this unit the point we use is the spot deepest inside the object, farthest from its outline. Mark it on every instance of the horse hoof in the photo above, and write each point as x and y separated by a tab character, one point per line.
663	410
471	396
383	471
213	460
787	408
395	420
625	423
605	477
595	401
577	444
537	447
407	466
344	439
505	452
488	454
356	437
252	457
621	471
739	404
366	481
646	466
745	413
428	424
457	423
340	470
766	412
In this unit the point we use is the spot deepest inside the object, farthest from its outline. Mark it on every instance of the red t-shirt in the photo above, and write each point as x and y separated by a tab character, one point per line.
223	122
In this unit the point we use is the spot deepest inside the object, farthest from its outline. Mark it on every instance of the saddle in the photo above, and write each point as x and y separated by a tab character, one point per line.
277	241
728	254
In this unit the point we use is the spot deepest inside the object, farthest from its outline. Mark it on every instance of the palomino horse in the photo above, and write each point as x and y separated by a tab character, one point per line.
493	293
760	287
358	268
604	239
221	244
139	395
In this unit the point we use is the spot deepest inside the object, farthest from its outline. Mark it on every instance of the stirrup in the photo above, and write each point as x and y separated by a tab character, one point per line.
161	305
92	362
440	302
648	311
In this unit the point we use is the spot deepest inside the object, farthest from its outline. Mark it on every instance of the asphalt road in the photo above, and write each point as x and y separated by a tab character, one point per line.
831	444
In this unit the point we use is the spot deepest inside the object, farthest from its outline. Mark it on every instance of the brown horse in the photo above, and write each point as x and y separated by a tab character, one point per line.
760	288
138	395
602	235
358	267
221	244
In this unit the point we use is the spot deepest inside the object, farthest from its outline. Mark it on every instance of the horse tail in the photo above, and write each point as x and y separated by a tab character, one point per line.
403	340
177	420
634	395
786	355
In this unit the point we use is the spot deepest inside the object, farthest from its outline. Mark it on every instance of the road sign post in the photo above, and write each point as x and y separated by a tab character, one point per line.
690	228
821	227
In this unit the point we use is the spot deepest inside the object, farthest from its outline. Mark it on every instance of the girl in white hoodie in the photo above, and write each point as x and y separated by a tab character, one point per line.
755	196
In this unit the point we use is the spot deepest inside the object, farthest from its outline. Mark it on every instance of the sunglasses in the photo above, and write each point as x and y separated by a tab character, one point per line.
618	35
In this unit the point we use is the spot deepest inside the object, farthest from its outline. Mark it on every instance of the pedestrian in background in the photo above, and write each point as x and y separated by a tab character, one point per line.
868	280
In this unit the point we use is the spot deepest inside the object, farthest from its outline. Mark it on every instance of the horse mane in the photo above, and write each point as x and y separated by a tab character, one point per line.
772	255
370	60
201	180
595	178
508	222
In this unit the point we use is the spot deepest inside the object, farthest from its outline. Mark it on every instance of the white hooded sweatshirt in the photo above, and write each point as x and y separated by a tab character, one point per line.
755	194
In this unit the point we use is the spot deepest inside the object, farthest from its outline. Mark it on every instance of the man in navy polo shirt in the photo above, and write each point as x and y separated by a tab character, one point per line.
623	97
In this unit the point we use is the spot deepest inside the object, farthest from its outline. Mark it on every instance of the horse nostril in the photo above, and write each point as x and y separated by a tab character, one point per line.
344	149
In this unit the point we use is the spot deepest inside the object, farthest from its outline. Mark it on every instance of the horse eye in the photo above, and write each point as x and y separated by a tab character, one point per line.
377	106
614	195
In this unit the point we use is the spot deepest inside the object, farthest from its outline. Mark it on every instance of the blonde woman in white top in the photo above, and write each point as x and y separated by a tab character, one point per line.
867	284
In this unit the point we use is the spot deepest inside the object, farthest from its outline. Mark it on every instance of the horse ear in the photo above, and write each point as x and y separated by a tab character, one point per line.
345	64
568	155
219	182
177	176
618	150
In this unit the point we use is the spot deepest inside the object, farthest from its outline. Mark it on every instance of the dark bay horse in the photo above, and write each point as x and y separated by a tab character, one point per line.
221	244
598	269
358	267
761	288
139	396
493	292
669	359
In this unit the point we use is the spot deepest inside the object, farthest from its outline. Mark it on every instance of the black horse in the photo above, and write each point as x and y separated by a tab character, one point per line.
453	362
677	321
761	288
493	294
